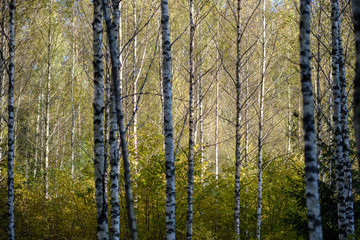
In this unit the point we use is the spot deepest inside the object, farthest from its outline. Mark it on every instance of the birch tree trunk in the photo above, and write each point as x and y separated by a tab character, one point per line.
2	67
37	133
349	198
107	115
337	122
189	217
168	130
238	125
289	120
311	167
261	125
72	79
114	156
11	196
114	173
112	27
135	83
356	17
318	92
101	200
47	108
216	138
200	111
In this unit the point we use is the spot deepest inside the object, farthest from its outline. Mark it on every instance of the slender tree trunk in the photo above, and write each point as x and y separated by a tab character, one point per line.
101	200
246	117
107	116
114	173
120	48
37	133
337	122
112	28
261	125
349	198
11	196
216	136
311	167
246	136
238	125
168	131
47	108
114	154
2	67
356	17
201	117
72	79
135	83
289	120
189	217
318	91
217	131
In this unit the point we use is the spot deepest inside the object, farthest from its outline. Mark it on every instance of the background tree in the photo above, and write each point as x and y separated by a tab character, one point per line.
10	171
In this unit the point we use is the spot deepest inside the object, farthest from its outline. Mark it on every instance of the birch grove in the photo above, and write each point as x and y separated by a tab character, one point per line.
93	83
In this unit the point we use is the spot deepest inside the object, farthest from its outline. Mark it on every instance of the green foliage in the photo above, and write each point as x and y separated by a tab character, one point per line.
68	214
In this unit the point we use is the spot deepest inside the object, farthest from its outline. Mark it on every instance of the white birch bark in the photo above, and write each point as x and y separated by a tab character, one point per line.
168	130
238	125
114	173
340	185
189	217
107	117
72	79
261	125
101	200
37	134
246	117
311	167
135	83
114	156
216	131
318	92
10	172
112	27
289	120
216	137
349	198
47	108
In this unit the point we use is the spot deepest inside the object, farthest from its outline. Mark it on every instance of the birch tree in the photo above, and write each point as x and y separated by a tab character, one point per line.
111	27
340	185
72	79
47	106
10	172
261	123
101	202
114	172
311	167
349	199
168	130
189	216
238	124
2	68
114	156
